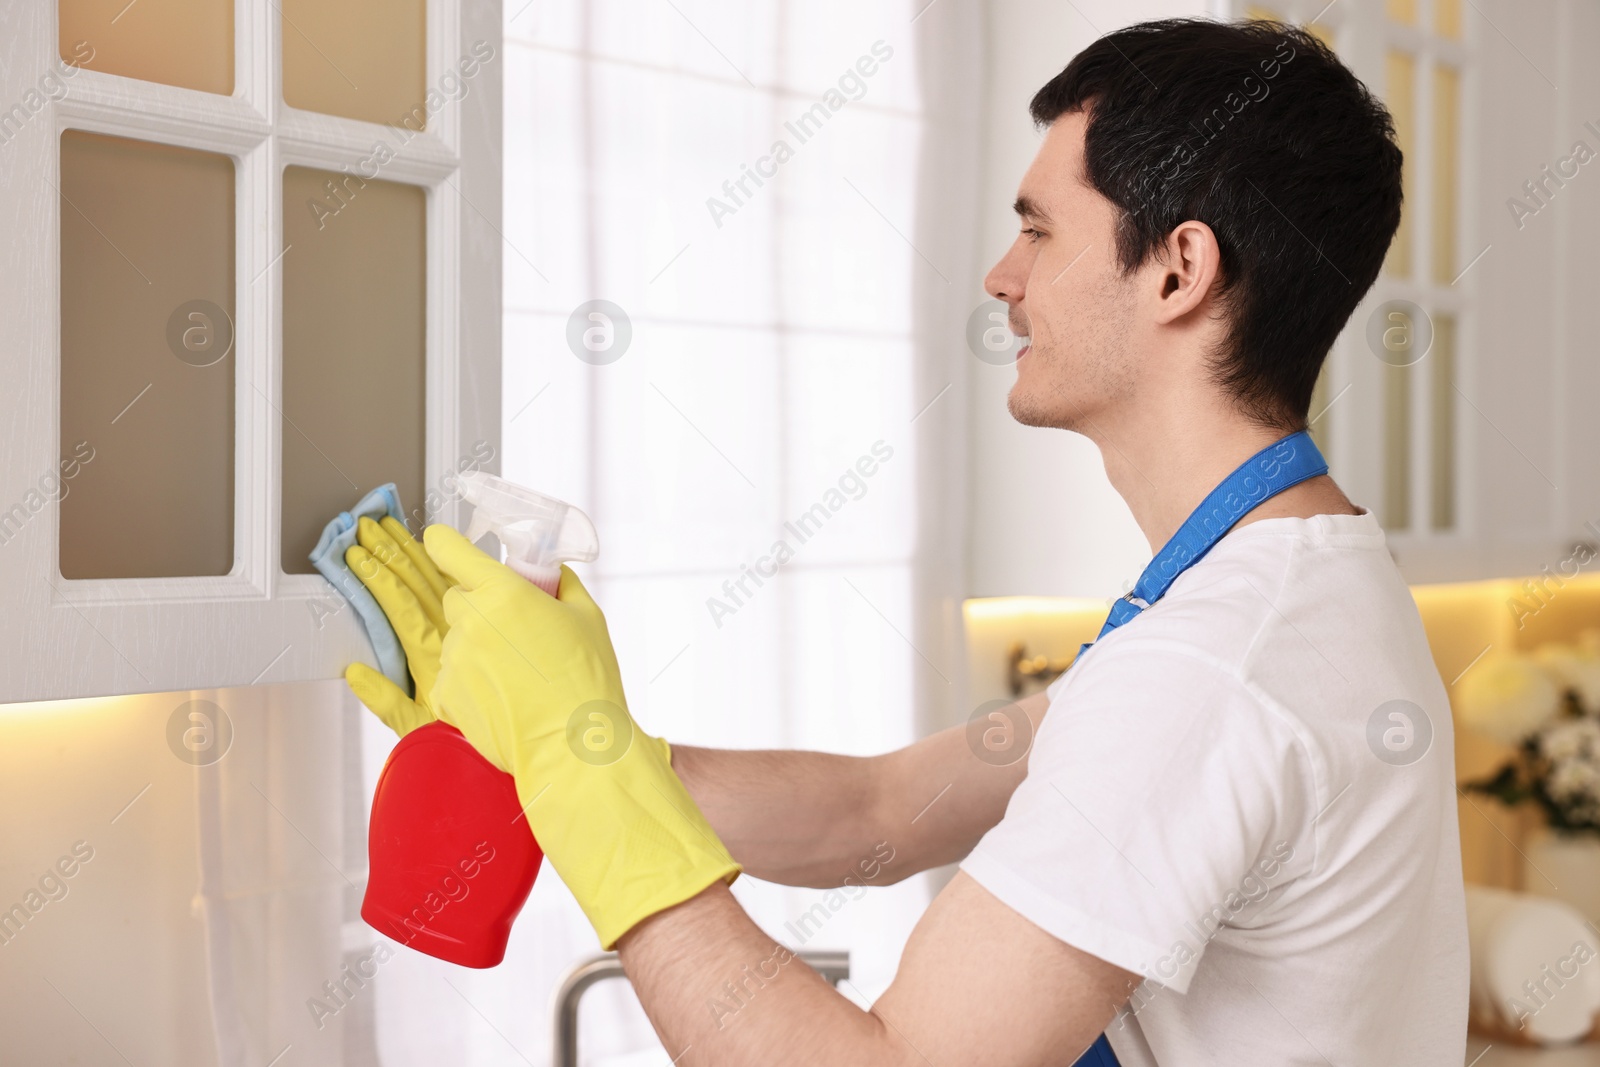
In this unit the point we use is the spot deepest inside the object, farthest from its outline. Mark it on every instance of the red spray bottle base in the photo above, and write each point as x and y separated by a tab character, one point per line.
451	858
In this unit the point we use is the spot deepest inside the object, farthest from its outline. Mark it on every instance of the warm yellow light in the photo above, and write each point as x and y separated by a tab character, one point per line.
1009	607
1461	618
58	711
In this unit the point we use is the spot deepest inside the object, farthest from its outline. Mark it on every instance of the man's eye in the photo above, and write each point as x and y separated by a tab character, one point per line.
1032	234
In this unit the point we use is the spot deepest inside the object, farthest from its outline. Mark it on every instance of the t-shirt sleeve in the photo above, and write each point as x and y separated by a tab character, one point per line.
1160	794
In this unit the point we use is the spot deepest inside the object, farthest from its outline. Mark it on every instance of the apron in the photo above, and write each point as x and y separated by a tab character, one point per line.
1267	473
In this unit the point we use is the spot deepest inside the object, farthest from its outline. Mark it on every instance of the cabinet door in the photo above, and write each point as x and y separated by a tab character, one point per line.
251	272
1457	397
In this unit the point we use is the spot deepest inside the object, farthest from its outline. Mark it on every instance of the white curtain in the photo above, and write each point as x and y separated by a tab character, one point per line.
795	375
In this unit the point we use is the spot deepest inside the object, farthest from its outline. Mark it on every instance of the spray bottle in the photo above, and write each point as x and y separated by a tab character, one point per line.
451	858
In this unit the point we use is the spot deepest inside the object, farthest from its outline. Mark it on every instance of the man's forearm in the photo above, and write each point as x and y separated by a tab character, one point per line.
796	818
816	819
977	983
719	991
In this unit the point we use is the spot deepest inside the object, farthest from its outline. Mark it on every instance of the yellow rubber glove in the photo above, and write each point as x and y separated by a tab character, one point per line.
399	574
532	682
409	588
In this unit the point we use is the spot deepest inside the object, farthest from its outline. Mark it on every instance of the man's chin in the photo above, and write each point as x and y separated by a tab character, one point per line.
1027	409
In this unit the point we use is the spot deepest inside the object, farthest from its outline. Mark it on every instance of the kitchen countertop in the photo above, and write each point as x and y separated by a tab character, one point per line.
1481	1053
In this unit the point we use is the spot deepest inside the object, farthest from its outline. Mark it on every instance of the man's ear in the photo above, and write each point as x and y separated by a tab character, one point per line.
1189	270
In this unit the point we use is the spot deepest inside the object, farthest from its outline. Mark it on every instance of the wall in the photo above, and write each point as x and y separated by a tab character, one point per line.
128	956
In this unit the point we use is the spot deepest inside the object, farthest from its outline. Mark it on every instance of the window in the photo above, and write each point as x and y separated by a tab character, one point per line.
708	346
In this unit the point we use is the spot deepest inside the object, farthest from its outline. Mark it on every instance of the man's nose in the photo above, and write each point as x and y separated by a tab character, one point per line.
1004	280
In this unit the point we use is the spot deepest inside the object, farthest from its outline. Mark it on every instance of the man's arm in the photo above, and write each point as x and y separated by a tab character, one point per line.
977	983
813	819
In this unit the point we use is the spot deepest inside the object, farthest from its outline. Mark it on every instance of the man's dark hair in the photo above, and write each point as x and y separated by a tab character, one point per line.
1259	131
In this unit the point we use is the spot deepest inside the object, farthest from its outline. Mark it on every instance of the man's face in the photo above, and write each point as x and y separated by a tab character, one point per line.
1066	296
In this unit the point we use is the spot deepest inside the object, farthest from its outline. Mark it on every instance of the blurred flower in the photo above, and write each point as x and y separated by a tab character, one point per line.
1574	668
1572	782
1524	700
1571	741
1507	696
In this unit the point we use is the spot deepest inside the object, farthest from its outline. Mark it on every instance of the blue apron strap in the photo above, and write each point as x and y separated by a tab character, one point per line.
1269	472
1099	1054
1277	467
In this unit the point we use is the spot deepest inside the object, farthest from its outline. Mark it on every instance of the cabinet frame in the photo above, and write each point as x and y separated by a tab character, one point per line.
92	637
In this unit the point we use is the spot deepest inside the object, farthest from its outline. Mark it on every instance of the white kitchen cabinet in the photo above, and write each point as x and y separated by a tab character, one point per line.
228	316
1482	457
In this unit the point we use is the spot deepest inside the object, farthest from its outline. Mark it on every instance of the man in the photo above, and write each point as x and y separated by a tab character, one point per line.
1233	840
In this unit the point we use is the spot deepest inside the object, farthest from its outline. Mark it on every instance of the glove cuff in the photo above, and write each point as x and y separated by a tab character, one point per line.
611	927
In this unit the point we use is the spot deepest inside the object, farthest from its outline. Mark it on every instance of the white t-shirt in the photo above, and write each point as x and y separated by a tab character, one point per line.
1224	800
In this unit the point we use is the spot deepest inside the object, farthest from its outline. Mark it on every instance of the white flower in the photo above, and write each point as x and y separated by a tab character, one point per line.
1573	780
1507	696
1573	668
1568	739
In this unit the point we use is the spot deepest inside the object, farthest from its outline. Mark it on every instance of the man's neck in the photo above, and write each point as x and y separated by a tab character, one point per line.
1165	469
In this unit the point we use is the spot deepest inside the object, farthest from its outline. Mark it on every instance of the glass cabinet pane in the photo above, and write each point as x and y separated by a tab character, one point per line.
1446	128
188	43
1396	513
147	379
354	348
1443	423
1447	18
359	59
1400	95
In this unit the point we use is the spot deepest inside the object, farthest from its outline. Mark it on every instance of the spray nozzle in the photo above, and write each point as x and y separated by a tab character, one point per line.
538	532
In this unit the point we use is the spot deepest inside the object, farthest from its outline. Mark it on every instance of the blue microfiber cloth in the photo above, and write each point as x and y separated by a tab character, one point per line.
328	558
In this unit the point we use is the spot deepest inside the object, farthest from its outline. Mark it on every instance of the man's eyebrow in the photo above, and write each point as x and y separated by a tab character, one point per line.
1029	209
